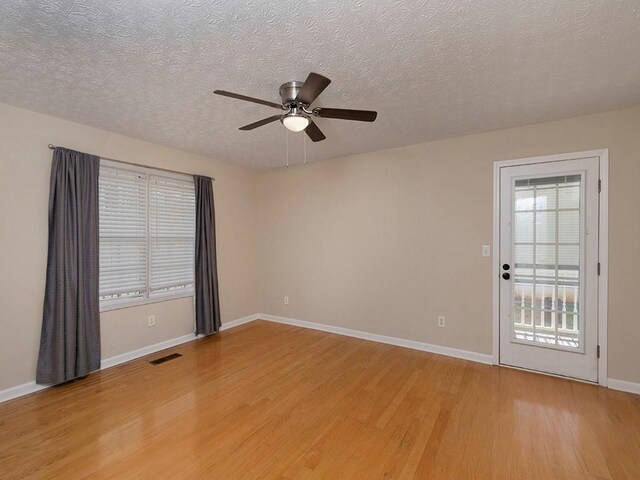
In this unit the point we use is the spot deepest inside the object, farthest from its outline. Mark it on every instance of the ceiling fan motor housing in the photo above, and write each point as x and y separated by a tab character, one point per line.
289	92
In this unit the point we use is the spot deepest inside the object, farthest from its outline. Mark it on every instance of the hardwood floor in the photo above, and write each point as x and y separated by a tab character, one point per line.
279	402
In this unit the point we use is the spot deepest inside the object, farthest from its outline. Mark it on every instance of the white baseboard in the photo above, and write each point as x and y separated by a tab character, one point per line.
239	321
624	386
374	337
141	352
32	387
20	390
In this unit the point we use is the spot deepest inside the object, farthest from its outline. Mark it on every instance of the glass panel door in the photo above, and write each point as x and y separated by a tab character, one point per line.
548	267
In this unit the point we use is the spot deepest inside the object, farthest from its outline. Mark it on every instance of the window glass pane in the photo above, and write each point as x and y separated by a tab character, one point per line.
569	226
546	198
523	227
546	227
546	257
569	257
524	198
569	196
546	253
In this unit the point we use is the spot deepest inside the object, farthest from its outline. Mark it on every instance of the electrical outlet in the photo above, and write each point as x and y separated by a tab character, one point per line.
441	321
286	300
151	320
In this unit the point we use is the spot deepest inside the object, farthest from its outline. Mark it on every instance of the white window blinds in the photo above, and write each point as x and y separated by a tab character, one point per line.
147	235
123	234
172	226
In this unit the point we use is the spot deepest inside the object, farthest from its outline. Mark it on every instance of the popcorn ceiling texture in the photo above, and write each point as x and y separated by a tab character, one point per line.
432	69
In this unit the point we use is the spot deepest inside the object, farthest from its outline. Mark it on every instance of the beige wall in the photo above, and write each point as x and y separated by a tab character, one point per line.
386	241
382	242
25	163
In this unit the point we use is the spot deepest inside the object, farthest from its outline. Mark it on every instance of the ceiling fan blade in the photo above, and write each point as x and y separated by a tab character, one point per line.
345	114
248	99
314	132
260	123
312	87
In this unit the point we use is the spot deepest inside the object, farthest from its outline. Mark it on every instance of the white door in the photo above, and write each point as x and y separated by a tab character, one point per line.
549	267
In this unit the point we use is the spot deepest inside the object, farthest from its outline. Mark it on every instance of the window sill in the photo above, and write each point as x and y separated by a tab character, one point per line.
143	301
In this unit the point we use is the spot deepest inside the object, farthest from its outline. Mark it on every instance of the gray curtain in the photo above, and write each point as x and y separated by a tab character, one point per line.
207	299
70	339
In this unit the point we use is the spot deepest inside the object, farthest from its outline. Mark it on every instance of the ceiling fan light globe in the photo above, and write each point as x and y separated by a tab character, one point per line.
296	123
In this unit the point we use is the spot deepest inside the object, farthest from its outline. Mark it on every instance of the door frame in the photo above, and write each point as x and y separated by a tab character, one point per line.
603	247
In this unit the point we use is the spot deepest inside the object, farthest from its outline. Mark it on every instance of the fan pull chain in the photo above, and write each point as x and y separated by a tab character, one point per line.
304	141
287	147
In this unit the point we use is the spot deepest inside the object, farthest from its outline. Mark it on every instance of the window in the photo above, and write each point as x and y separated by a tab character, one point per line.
147	235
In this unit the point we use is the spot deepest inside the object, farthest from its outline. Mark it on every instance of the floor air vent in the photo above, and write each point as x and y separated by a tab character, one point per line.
160	360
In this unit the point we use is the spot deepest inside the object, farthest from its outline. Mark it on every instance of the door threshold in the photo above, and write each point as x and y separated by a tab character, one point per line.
564	377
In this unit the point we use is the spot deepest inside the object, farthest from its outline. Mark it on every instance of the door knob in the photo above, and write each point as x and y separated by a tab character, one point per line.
506	276
506	266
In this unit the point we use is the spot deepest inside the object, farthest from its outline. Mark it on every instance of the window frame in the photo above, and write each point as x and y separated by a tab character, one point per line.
147	298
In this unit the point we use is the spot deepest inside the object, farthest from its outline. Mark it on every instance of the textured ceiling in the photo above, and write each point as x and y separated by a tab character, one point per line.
432	69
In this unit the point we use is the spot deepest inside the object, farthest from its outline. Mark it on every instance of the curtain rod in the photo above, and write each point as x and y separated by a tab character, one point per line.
53	147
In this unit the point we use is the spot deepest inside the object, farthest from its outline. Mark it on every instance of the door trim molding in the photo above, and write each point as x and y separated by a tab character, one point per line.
603	247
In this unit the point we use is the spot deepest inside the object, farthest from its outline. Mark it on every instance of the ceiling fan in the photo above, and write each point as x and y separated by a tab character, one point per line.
297	98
